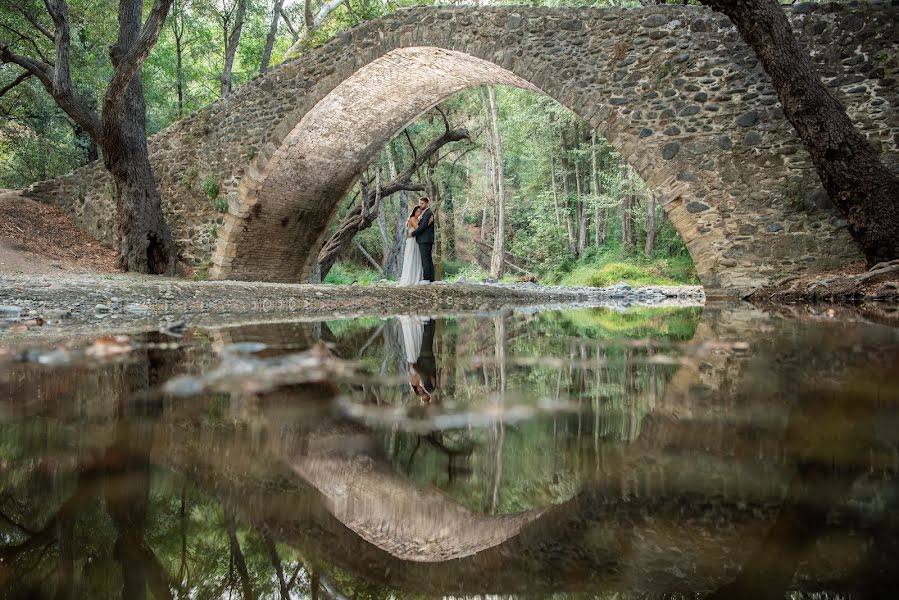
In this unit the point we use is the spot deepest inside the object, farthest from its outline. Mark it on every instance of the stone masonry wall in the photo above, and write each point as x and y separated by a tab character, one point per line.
673	88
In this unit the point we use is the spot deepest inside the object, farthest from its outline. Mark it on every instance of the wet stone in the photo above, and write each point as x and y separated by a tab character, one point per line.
670	150
654	21
748	119
752	138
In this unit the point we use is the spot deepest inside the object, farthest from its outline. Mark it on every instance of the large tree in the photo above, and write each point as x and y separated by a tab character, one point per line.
145	242
858	183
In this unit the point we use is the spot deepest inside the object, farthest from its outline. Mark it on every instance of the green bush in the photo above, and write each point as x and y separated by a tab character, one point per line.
345	274
452	268
210	186
611	273
470	272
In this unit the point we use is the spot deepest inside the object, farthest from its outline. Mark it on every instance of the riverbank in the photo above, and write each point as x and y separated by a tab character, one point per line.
115	302
854	284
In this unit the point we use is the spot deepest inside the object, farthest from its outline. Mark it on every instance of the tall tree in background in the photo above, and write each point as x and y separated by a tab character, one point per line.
230	15
856	180
599	221
499	211
566	190
177	23
145	242
270	38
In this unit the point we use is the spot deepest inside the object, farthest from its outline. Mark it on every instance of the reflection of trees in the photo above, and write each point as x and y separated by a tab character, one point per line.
606	387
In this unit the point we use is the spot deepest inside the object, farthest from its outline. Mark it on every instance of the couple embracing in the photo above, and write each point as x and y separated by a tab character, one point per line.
418	266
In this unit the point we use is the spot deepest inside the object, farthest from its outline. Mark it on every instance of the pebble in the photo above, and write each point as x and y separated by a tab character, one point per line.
10	311
102	308
139	309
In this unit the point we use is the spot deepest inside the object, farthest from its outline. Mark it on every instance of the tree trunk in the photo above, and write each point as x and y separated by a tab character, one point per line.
579	198
283	587
858	183
552	169
238	557
627	204
270	39
177	25
489	167
597	193
145	242
231	42
499	213
650	225
552	173
566	168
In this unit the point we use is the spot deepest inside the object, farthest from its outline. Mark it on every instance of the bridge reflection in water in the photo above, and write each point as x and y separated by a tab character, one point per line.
655	451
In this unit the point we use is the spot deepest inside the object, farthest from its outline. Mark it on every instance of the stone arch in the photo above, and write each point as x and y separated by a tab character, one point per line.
673	88
292	199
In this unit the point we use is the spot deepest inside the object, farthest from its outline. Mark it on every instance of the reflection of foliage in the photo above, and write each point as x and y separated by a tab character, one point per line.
664	324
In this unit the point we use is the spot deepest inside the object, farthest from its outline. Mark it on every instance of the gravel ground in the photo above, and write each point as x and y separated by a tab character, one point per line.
107	303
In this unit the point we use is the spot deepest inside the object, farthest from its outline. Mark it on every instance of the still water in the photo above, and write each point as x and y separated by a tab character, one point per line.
723	452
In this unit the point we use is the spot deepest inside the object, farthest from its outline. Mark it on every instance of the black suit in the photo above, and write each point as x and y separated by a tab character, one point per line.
424	235
426	365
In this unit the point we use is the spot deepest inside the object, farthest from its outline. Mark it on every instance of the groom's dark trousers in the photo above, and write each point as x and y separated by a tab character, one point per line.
427	261
424	235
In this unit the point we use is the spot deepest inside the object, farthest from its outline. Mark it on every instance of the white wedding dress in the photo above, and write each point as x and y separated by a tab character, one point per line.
412	329
411	263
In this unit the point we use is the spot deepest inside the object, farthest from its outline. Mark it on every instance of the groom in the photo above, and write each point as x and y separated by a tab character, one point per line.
424	235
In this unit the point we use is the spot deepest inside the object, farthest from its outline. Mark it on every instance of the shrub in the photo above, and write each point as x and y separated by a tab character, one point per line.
344	274
210	186
633	273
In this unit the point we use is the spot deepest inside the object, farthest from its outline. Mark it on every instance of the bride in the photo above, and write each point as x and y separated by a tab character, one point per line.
412	257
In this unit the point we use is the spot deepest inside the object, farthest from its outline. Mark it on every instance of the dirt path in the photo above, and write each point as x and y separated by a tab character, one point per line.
38	239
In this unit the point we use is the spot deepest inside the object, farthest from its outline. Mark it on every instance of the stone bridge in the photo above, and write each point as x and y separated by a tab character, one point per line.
673	89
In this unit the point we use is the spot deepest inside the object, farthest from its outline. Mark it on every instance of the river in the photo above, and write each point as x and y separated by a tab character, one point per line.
717	452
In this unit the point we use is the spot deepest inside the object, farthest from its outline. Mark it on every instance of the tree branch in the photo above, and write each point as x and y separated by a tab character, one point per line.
326	9
130	63
36	24
22	77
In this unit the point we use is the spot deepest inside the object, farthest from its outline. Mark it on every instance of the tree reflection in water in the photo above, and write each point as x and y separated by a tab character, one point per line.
648	453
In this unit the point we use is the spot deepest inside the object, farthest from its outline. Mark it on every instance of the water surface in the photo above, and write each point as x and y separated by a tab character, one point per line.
722	452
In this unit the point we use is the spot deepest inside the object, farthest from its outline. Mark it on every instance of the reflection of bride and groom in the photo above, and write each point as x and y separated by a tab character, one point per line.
418	347
418	265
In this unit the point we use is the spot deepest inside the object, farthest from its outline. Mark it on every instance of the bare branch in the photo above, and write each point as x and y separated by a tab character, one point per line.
293	32
22	77
36	24
411	145
27	39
